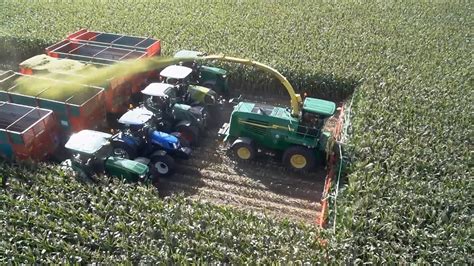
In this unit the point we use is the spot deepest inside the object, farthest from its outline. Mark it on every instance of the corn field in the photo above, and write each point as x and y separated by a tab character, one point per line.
48	217
409	68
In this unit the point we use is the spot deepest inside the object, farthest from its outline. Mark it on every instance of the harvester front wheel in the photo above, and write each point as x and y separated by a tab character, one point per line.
299	158
244	150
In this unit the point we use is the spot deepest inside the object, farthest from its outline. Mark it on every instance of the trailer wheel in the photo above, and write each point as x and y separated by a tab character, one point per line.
164	165
123	150
299	158
244	150
189	133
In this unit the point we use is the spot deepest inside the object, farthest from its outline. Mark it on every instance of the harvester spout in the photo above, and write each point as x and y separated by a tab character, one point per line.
296	100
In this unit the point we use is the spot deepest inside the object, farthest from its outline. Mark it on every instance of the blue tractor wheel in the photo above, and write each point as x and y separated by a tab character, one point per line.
164	165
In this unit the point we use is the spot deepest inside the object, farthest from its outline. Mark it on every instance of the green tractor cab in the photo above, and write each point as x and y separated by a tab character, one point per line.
91	154
211	77
255	128
162	99
181	78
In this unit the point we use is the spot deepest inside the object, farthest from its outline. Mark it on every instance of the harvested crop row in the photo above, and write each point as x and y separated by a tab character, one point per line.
241	202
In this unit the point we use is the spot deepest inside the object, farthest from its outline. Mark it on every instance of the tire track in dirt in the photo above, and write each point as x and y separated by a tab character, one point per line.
251	192
275	185
241	202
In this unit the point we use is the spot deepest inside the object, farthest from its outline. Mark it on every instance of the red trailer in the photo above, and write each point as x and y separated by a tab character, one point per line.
117	91
76	106
107	48
27	132
150	46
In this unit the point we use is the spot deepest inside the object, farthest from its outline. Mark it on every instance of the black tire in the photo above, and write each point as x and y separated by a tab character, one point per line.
244	151
182	141
164	165
216	112
123	150
189	133
299	158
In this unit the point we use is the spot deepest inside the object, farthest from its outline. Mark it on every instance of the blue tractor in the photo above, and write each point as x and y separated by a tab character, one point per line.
139	137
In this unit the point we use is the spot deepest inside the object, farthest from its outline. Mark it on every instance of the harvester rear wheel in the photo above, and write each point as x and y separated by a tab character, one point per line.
299	158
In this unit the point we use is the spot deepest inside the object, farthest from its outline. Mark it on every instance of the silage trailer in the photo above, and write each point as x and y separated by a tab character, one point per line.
27	132
106	49
76	106
117	91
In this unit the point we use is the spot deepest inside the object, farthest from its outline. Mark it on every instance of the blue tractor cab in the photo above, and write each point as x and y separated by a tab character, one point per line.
139	137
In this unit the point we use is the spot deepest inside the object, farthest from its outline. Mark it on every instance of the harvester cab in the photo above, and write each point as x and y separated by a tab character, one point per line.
314	115
161	99
210	77
91	153
140	138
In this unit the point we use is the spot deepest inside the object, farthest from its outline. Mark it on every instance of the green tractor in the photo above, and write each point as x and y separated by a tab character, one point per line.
257	128
210	77
189	93
92	154
163	100
180	77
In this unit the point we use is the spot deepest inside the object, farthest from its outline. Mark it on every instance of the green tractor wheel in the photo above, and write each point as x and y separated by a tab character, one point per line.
244	150
299	158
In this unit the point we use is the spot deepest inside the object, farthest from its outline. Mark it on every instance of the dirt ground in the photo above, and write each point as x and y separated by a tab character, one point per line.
262	186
